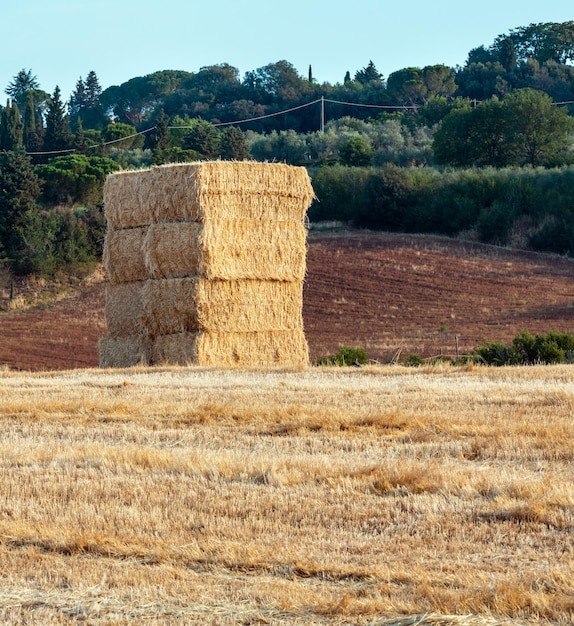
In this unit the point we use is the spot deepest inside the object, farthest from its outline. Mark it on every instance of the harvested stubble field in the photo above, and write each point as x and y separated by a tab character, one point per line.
379	495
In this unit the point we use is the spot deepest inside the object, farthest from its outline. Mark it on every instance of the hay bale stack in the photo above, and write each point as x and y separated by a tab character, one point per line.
124	311
205	263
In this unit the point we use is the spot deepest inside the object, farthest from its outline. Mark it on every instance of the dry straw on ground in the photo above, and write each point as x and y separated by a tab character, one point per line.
334	496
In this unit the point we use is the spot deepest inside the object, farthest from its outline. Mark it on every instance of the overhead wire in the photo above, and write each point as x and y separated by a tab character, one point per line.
255	119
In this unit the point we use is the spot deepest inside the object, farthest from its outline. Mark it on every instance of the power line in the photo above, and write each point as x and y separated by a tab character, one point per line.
321	100
375	106
98	145
262	117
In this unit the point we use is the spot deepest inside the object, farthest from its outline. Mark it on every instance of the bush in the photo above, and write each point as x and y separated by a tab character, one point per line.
525	349
388	192
346	356
340	191
53	238
413	360
427	200
74	179
495	222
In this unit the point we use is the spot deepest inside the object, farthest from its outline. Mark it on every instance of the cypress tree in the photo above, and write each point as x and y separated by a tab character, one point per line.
57	135
77	100
233	145
79	139
93	115
19	188
11	128
93	90
161	138
31	141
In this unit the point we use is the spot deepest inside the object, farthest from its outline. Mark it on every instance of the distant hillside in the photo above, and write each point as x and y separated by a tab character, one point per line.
389	293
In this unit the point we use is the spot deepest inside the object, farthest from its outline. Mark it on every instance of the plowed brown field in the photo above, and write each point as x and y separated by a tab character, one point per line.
389	293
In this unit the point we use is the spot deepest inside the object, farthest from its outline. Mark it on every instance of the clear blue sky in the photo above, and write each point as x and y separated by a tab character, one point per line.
63	40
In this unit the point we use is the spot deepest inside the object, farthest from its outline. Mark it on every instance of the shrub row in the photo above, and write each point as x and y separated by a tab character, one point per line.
495	203
525	349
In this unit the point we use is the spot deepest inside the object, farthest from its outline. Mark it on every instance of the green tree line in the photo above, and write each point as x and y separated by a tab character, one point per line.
527	207
444	152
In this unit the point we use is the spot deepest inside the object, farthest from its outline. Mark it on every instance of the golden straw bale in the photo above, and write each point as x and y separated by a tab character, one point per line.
176	305
123	309
259	349
226	249
198	192
173	250
124	351
123	255
126	199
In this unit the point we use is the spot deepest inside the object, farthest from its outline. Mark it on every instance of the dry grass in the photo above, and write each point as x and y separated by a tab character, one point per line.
366	496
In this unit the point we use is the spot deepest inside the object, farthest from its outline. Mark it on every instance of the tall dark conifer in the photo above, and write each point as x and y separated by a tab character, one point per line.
79	139
19	188
31	141
93	90
77	100
233	145
11	128
160	138
57	135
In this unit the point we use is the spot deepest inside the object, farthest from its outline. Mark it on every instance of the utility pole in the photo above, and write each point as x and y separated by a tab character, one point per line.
322	126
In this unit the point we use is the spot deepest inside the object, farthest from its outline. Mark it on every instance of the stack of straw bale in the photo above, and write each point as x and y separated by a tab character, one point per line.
205	265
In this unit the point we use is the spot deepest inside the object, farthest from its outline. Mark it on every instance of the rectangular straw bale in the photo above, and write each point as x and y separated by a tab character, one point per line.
263	349
126	199
124	256
173	250
176	305
123	310
198	192
124	351
227	249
